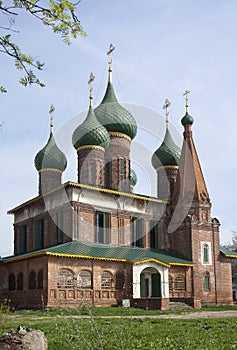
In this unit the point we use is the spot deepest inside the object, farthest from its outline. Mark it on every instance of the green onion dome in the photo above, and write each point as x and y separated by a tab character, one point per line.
133	178
113	116
50	157
168	154
90	133
187	119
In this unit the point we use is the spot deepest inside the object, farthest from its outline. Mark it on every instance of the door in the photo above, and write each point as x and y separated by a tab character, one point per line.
156	285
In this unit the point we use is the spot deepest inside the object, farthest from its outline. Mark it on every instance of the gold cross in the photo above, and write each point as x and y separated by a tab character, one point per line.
186	98
165	107
90	81
109	53
51	110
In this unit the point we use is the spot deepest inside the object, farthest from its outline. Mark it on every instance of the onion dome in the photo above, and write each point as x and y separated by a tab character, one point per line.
168	154
133	178
113	116
187	119
50	157
90	133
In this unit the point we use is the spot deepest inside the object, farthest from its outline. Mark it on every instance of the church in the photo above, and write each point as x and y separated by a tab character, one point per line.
97	242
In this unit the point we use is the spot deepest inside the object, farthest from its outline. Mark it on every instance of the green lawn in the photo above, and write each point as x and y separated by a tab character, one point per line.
128	334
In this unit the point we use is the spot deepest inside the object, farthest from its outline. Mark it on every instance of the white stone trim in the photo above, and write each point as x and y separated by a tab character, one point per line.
164	276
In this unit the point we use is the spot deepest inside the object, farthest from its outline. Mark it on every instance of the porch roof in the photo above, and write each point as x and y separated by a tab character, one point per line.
228	252
81	250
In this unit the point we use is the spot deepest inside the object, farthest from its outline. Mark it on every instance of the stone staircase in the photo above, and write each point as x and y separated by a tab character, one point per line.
178	305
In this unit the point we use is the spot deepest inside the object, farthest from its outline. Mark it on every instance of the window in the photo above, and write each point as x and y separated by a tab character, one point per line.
179	283
106	280
11	282
59	223
108	174
119	282
20	281
39	234
102	227
65	279
154	235
22	239
138	238
205	253
170	283
40	279
84	280
92	173
207	282
122	169
32	280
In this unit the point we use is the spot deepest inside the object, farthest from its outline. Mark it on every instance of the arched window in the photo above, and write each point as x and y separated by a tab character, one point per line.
84	279
205	253
40	279
11	282
119	282
20	281
106	280
122	169
65	279
92	173
171	281
32	280
207	281
179	283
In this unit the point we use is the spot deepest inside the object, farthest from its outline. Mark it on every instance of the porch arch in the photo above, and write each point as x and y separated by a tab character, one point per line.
160	279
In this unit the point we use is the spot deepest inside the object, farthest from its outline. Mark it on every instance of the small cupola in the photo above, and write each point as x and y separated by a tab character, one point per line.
114	117
50	162
90	139
166	160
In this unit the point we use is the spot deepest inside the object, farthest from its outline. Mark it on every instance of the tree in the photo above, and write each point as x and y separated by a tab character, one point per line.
59	15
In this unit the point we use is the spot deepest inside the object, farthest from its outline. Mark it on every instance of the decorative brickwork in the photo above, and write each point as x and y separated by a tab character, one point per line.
117	158
91	166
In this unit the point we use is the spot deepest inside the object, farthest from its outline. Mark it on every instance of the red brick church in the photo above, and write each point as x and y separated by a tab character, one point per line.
97	242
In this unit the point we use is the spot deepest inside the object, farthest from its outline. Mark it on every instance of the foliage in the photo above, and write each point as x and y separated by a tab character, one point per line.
135	333
59	15
5	311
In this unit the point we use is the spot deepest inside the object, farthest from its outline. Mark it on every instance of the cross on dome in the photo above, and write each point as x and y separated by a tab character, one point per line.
165	107
186	99
90	81
51	110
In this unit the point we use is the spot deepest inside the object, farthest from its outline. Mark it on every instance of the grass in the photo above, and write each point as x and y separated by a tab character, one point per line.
116	311
115	334
128	334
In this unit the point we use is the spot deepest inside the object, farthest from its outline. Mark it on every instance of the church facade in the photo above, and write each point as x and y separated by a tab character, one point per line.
97	242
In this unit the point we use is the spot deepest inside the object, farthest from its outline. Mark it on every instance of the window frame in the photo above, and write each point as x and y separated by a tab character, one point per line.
65	279
180	283
102	227
106	280
85	281
137	234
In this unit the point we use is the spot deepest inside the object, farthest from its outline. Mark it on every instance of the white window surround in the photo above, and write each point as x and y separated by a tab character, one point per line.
208	246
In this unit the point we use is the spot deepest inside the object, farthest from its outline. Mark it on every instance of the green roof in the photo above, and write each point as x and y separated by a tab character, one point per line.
228	252
187	119
113	116
50	156
107	252
167	154
90	132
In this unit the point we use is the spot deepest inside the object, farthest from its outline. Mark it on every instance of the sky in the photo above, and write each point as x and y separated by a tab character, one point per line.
163	47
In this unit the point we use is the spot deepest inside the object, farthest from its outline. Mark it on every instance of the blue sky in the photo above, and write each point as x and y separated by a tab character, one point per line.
162	49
